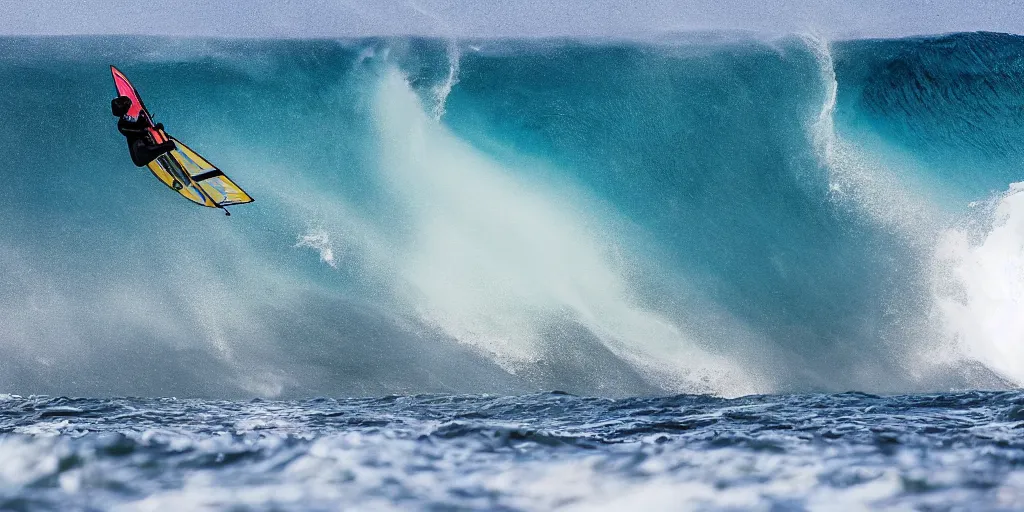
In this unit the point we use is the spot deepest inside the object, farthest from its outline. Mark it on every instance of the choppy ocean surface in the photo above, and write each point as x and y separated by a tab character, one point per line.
851	451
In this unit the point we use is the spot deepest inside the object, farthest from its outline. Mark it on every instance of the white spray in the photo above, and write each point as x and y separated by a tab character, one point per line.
856	179
443	89
980	289
494	260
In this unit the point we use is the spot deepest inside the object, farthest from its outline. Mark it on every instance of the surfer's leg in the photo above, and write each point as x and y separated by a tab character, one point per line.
137	149
164	147
143	153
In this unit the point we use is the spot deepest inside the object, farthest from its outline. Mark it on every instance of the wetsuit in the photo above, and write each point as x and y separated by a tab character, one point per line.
140	142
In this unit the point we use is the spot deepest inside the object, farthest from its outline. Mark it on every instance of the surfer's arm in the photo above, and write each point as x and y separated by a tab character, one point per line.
130	129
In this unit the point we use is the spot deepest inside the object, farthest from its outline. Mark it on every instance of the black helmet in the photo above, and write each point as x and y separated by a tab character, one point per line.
119	106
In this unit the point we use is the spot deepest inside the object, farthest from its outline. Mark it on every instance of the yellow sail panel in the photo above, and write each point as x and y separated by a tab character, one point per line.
213	182
194	163
224	191
196	179
169	169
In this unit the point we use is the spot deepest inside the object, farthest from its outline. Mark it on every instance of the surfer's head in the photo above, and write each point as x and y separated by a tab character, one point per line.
119	106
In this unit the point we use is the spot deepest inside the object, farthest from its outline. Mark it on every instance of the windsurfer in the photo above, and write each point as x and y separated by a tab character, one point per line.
137	131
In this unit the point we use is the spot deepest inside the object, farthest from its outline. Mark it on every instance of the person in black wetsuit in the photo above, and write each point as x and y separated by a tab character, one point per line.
140	142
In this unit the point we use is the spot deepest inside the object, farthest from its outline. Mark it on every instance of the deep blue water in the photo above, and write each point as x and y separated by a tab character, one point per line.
851	451
699	216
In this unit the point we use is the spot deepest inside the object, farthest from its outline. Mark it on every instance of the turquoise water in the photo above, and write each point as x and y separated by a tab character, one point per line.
718	214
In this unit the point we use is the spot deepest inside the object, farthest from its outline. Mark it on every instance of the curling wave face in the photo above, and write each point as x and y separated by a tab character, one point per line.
699	214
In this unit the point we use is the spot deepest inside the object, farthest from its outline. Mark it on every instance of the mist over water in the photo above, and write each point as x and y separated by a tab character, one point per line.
725	216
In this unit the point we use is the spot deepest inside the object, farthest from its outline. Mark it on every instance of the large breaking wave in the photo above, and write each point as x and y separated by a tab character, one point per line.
699	214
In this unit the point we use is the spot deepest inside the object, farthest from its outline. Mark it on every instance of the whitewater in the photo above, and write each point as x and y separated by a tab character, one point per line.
648	270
